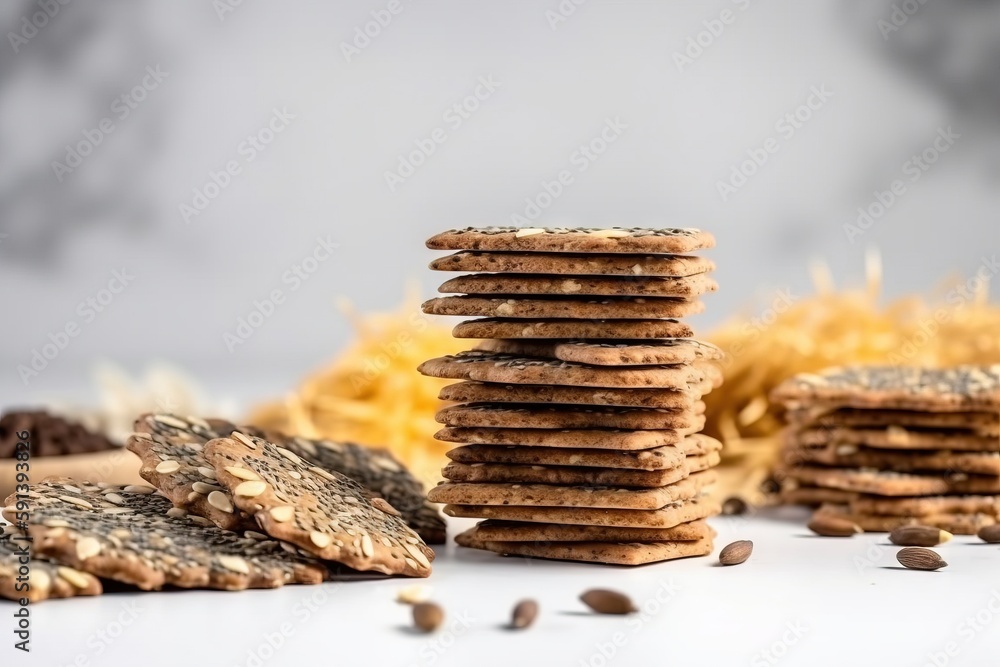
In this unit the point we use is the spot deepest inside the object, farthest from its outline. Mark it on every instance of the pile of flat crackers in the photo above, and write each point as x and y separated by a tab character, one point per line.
576	418
230	507
890	446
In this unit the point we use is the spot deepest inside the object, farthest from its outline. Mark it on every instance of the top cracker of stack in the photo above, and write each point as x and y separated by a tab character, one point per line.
577	430
886	446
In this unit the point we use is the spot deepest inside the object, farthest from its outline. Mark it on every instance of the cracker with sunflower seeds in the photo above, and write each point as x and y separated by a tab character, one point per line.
133	535
45	580
381	473
170	448
324	513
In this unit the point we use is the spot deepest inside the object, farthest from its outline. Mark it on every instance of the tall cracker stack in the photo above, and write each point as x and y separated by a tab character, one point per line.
578	413
886	447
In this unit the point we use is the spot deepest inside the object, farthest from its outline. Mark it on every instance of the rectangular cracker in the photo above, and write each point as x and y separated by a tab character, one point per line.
885	483
519	415
576	475
658	458
492	392
814	496
957	524
548	495
980	423
689	287
608	307
572	329
922	506
574	239
960	389
505	368
895	438
607	553
672	515
574	264
631	353
852	456
524	531
573	438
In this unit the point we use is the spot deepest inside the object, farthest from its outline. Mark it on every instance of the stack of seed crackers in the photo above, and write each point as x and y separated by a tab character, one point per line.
227	509
889	446
578	413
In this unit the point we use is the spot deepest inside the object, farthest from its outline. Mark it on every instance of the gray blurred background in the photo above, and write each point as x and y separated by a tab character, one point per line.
117	117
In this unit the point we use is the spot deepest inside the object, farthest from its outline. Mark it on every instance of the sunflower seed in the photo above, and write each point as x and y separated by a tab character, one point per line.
220	501
168	467
242	473
250	489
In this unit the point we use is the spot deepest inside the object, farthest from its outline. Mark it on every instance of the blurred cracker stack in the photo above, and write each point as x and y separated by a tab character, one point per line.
889	446
579	412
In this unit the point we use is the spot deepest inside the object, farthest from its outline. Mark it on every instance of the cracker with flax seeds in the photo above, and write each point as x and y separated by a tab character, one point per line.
583	307
607	553
574	239
45	581
674	514
491	327
592	438
162	439
522	531
170	448
958	389
576	475
525	415
889	483
381	473
549	495
955	523
133	535
625	353
893	438
574	264
505	368
324	513
689	287
483	392
658	458
978	423
851	456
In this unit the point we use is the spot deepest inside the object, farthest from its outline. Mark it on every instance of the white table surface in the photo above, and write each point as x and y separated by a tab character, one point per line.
799	600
